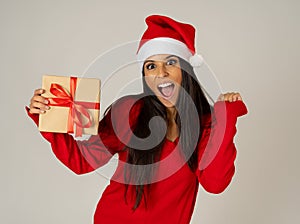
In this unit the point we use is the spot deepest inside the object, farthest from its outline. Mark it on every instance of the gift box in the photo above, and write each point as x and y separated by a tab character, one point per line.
74	105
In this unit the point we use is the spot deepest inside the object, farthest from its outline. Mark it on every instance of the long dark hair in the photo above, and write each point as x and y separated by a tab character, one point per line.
152	107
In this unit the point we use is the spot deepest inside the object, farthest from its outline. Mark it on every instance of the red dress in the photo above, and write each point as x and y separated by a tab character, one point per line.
170	200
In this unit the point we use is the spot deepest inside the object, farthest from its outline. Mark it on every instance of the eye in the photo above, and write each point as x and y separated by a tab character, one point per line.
150	66
172	61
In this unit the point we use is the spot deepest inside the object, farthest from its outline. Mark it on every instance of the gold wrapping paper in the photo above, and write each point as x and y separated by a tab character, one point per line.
56	118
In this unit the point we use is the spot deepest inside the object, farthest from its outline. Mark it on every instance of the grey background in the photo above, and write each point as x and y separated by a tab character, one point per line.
252	46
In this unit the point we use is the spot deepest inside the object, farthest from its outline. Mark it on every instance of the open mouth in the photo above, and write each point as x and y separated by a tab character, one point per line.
166	89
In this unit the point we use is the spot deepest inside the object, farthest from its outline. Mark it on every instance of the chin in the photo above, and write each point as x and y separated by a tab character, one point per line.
167	103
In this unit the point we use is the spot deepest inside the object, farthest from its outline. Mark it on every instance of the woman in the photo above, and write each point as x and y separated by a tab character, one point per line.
145	188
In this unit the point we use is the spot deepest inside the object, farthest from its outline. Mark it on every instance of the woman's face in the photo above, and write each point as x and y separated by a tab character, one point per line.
163	76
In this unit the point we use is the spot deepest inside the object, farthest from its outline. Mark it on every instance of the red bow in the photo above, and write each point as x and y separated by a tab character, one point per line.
78	109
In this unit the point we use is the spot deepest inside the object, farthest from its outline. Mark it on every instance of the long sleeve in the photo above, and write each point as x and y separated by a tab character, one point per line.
216	148
85	156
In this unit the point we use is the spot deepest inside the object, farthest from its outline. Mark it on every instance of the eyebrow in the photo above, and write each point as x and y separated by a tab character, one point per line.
169	56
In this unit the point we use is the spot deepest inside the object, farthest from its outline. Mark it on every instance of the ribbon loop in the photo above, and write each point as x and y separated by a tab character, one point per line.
78	110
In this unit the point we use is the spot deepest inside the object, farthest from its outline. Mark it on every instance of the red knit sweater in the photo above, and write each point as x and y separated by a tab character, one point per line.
170	200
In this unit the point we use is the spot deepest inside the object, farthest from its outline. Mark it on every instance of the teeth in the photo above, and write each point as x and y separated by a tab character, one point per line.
163	85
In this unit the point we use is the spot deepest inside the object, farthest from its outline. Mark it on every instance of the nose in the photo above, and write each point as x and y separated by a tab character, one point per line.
162	70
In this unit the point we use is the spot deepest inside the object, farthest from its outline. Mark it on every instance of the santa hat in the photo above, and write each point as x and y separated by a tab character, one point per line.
167	36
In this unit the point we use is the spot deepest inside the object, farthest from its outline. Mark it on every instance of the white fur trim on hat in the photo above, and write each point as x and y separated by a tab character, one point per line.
162	45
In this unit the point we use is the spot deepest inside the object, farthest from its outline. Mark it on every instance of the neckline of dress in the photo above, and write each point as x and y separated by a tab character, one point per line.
173	142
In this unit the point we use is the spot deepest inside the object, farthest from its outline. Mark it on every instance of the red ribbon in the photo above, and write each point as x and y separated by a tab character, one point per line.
78	109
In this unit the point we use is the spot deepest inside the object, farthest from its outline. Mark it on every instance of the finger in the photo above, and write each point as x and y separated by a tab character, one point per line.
40	99
36	111
39	105
39	91
227	96
237	96
231	96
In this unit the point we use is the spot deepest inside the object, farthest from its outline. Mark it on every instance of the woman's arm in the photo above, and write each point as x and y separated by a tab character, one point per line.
216	148
85	156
